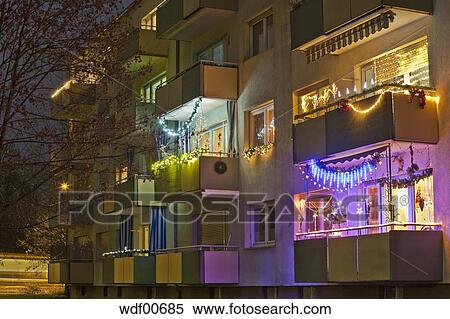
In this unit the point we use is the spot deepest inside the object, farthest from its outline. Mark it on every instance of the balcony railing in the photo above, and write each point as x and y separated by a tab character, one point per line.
74	100
203	79
384	113
143	42
208	172
198	265
391	252
184	20
71	272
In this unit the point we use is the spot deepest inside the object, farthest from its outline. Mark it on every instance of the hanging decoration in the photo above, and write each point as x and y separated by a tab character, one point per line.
257	150
420	94
409	180
185	126
316	100
182	159
341	179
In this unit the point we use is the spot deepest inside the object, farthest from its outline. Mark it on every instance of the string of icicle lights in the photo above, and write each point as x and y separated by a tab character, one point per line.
184	126
340	180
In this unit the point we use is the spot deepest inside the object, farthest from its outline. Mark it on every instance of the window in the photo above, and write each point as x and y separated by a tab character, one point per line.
214	53
144	237
368	76
261	34
212	139
262	218
121	174
404	65
262	128
413	204
148	92
149	21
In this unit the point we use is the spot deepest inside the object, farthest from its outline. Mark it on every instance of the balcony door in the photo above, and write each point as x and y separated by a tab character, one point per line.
374	212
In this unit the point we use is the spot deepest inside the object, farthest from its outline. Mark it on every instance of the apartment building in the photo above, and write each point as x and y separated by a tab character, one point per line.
333	110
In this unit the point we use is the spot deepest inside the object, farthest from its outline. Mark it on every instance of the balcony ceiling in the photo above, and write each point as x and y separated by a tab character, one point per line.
183	112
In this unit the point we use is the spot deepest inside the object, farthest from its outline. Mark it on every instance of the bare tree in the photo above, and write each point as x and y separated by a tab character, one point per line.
42	44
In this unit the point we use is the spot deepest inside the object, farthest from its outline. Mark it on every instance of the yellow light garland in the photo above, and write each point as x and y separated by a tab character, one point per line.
354	108
257	150
174	160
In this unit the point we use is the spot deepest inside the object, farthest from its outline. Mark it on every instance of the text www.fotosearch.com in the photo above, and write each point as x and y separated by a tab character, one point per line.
230	309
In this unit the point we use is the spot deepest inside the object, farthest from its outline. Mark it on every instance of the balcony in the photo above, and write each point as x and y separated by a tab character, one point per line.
198	265
71	272
136	270
397	253
74	100
380	117
143	42
322	27
185	20
204	79
200	174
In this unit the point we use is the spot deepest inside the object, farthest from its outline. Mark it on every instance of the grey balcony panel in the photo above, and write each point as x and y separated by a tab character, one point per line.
183	19
394	256
191	83
307	22
419	262
349	130
343	263
310	257
310	140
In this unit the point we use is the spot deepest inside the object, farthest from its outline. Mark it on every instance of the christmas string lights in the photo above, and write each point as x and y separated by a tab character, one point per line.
317	100
340	179
257	150
174	160
185	126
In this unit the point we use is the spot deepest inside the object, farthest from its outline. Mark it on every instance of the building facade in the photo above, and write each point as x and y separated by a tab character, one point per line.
323	122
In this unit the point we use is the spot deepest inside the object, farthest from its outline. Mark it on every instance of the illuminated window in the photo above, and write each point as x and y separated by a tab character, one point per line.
262	217
261	33
212	139
149	21
405	65
262	127
414	203
121	174
148	92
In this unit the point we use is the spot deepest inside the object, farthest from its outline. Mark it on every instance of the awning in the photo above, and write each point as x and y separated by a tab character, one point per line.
355	34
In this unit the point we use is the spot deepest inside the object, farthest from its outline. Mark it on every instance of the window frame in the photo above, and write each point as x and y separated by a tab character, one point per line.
210	52
269	211
263	17
151	16
222	125
159	80
265	108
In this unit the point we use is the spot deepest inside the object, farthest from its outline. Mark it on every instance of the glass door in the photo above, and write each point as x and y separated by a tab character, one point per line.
373	207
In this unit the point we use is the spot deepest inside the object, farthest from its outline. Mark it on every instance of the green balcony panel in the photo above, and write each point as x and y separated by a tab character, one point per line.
184	19
202	174
143	42
58	273
204	79
82	272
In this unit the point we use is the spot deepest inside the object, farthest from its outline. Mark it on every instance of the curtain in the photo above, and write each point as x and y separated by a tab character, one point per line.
158	230
231	112
126	232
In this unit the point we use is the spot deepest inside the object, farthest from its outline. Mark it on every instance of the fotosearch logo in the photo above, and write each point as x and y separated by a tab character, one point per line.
87	208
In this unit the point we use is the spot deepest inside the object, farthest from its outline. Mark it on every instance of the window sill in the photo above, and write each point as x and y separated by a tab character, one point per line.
262	246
